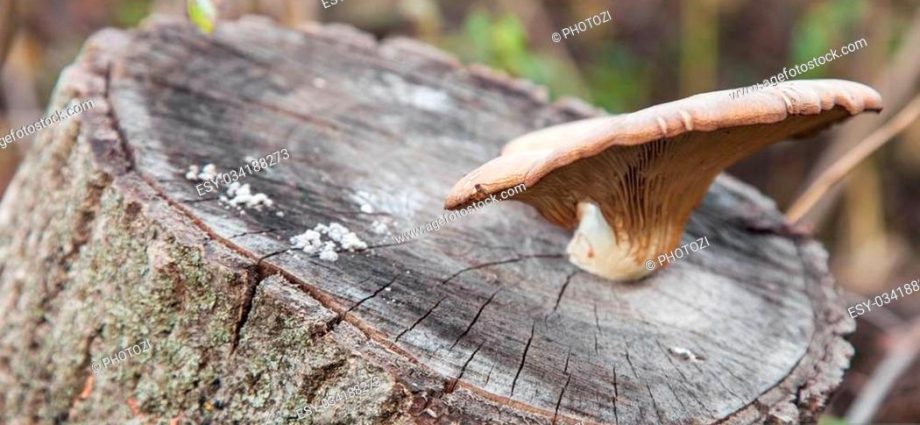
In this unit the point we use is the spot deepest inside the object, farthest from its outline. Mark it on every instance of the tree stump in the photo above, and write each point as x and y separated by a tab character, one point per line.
105	244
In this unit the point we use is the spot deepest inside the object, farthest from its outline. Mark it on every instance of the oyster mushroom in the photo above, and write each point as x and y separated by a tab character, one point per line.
626	184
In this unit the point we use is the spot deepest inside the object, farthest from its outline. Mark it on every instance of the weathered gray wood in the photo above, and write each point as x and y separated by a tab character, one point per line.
105	243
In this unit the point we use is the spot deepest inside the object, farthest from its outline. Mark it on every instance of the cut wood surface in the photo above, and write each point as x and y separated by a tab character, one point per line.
105	243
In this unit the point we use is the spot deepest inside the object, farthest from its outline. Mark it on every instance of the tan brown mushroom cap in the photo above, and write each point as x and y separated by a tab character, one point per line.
554	148
648	169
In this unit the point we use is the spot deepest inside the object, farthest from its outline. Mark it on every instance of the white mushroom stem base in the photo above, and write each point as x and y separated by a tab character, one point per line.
595	248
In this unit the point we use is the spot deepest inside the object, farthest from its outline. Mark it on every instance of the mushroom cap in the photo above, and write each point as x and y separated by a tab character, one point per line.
530	158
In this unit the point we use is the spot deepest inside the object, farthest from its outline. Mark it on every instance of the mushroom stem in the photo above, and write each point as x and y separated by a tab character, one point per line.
594	247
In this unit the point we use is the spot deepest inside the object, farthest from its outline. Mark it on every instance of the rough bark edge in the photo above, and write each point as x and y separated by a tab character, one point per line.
801	397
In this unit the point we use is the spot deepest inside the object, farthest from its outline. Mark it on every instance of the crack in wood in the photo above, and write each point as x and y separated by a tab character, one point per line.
272	254
721	384
452	385
523	358
654	403
597	322
568	279
377	292
676	397
238	235
489	375
629	361
420	319
196	201
559	400
616	395
638	378
667	356
254	273
731	373
500	262
388	245
475	319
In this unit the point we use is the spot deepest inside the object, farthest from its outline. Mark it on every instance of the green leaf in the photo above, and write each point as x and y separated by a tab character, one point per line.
831	420
128	13
203	14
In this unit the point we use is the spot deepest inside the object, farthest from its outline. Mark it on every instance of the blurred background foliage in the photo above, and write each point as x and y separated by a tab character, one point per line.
651	52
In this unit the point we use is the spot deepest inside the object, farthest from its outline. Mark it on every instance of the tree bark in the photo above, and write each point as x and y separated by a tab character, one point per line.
105	244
